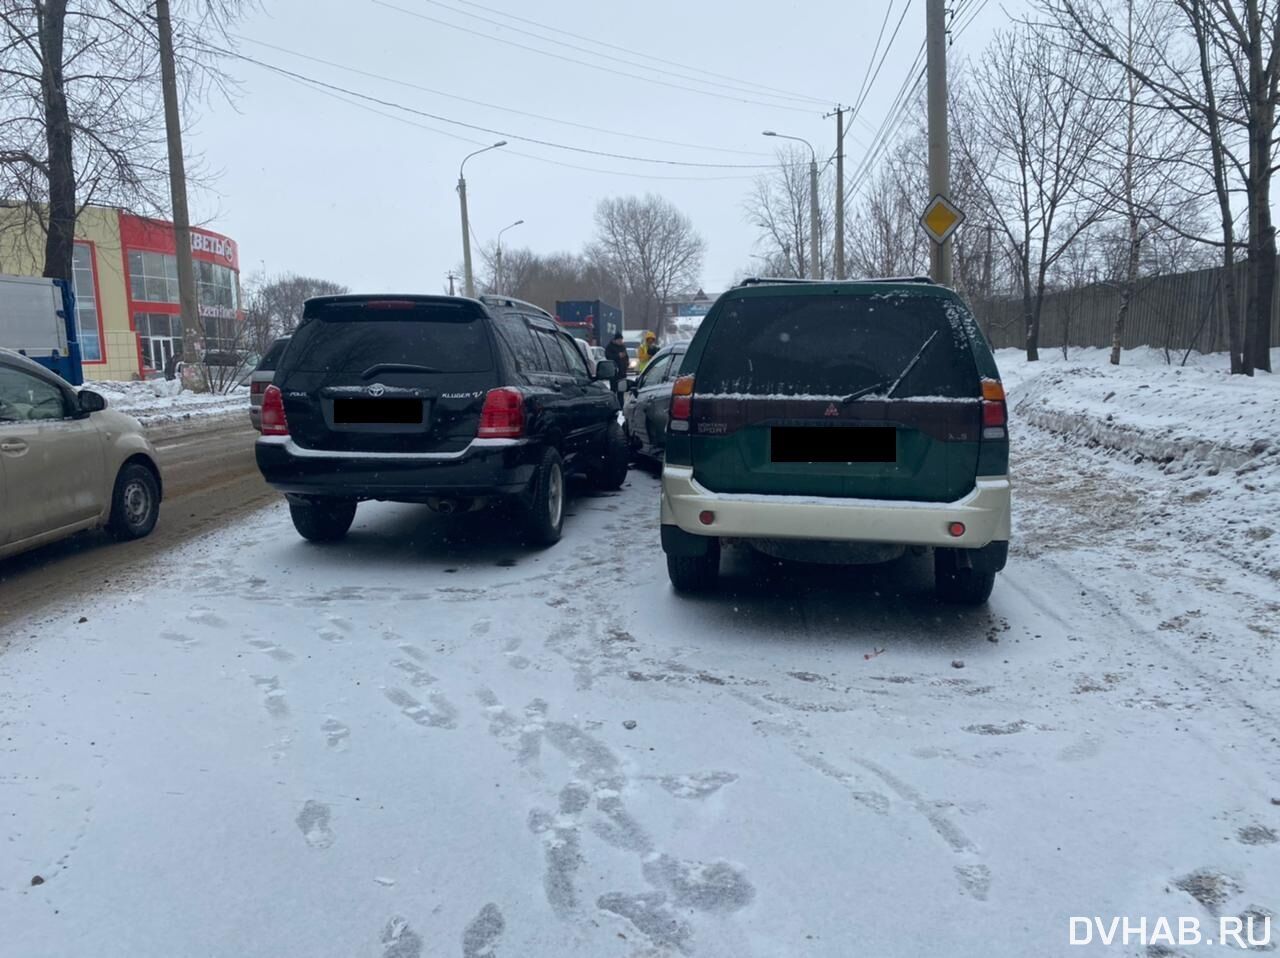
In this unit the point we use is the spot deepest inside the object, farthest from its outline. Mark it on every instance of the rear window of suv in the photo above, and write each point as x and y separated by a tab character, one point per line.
834	346
349	338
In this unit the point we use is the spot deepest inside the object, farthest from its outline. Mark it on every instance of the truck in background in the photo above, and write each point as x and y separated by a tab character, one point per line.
591	319
38	319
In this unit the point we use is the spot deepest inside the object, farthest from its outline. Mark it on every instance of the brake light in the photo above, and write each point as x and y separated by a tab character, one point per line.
274	422
502	416
681	403
389	304
995	412
258	387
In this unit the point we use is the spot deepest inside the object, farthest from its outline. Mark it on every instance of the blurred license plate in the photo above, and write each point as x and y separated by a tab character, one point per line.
389	411
833	444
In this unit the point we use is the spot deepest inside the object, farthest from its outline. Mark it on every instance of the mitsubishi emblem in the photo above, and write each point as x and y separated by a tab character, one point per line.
832	410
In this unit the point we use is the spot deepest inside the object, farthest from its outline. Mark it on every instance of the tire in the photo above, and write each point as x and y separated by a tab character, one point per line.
135	503
322	520
954	583
543	516
611	472
691	575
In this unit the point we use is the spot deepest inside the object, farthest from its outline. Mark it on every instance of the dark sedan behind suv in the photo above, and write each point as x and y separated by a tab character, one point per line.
454	402
647	407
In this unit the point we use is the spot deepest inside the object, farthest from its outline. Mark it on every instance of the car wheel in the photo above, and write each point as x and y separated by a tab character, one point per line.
322	520
694	574
955	583
612	470
135	503
544	514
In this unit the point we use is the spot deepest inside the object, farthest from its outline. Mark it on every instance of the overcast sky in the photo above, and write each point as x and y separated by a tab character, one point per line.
311	184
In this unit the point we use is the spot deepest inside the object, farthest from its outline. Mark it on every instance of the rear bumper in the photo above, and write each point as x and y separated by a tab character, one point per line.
984	512
487	467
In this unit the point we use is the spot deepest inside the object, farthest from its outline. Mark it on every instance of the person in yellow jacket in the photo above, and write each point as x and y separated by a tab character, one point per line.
648	346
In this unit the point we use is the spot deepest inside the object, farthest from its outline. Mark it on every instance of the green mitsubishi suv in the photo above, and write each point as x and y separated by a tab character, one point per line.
839	422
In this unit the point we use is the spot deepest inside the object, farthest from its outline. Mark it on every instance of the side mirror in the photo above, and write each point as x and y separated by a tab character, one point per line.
606	369
88	401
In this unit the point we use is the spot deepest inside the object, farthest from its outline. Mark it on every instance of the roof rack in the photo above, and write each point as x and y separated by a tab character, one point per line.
791	280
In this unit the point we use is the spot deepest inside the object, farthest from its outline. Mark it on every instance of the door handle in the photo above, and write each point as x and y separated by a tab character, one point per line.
12	445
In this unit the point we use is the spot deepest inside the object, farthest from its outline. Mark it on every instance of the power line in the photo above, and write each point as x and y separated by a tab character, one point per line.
591	66
531	156
647	56
874	50
481	129
735	84
493	106
857	107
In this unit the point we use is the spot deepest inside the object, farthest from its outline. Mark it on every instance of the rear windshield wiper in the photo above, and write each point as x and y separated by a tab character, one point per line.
397	368
893	384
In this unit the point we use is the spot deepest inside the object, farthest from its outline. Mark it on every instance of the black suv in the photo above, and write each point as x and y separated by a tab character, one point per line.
438	399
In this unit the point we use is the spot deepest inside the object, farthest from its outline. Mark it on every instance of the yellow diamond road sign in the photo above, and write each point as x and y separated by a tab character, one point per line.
940	219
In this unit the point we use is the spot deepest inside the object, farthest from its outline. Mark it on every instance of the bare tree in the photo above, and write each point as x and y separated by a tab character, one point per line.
1042	125
1217	70
79	106
273	306
651	246
779	206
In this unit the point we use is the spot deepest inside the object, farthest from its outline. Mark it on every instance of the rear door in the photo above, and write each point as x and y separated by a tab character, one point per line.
650	393
387	375
869	392
565	405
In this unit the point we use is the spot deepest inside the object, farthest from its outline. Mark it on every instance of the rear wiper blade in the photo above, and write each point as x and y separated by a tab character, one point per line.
893	384
397	368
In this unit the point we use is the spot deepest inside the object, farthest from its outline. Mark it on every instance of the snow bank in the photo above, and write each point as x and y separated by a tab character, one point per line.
1206	444
156	401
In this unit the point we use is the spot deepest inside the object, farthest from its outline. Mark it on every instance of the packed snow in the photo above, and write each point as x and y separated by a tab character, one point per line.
429	739
159	401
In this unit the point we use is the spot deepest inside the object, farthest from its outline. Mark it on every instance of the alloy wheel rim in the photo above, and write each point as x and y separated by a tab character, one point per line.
555	495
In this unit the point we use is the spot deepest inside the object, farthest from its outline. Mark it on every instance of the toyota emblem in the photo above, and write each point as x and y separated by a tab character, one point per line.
377	389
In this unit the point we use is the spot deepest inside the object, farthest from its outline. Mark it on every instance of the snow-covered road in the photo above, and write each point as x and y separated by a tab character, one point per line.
429	740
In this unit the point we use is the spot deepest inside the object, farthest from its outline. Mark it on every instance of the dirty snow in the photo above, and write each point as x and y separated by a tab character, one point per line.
159	401
431	740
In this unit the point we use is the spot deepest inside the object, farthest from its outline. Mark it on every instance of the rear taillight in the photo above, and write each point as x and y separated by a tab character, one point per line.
258	387
995	414
502	416
681	403
274	422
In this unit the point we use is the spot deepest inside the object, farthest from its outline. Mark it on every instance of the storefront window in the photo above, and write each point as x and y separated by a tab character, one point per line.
86	303
153	277
161	337
217	285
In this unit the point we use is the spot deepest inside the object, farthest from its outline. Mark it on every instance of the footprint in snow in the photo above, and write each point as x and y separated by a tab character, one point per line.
313	822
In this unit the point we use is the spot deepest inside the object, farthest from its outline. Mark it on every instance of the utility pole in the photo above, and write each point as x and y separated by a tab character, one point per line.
837	256
452	276
192	339
939	147
466	226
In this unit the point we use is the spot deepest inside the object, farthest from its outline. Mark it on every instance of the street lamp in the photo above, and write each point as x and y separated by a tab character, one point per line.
466	227
815	254
497	279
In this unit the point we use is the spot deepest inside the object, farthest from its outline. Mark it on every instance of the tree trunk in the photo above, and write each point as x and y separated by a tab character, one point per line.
1262	243
1031	315
1126	292
61	228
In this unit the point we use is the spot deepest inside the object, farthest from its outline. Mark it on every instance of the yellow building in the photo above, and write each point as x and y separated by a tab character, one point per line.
126	284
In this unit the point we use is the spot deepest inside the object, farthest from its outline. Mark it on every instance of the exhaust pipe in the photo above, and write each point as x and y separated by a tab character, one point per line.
446	507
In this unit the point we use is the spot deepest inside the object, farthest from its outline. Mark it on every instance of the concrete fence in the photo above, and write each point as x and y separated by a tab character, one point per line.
1177	312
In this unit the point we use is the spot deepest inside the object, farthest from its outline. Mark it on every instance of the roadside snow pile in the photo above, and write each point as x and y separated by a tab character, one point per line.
155	401
1206	444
